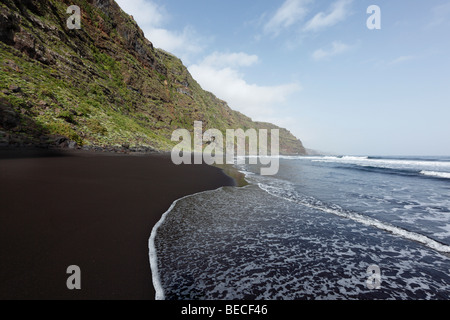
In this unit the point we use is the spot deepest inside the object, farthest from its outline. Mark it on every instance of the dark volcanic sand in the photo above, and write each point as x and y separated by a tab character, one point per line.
94	211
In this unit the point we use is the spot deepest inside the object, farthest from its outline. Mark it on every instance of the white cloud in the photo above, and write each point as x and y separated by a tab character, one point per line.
226	82
151	18
184	44
336	49
339	12
289	13
146	13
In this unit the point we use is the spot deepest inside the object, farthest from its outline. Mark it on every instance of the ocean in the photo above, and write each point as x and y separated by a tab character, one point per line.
322	228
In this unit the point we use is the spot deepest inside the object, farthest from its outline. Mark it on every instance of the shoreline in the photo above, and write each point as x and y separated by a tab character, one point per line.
93	210
153	257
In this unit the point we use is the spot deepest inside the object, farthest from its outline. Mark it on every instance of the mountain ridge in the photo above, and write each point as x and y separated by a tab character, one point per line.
103	85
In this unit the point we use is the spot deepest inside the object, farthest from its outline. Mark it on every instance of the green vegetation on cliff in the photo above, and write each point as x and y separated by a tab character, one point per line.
102	85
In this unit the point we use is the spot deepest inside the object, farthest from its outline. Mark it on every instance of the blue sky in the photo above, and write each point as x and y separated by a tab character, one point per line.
315	68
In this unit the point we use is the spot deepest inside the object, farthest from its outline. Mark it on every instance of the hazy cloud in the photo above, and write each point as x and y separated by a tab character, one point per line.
440	14
401	60
338	12
291	12
337	48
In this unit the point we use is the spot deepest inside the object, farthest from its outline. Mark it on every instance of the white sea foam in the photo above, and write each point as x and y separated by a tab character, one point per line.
153	255
365	220
436	174
244	244
352	158
419	165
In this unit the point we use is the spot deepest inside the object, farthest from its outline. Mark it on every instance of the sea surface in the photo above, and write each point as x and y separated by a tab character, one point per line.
322	228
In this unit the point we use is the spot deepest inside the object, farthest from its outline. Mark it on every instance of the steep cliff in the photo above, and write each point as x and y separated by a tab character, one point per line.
102	85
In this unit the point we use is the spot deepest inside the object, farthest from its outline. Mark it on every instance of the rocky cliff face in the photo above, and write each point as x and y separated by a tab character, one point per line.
102	85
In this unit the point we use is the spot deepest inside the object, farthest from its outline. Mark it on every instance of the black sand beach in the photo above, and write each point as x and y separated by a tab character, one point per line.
91	210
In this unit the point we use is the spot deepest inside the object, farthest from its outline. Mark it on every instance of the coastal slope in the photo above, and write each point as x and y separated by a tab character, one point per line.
102	85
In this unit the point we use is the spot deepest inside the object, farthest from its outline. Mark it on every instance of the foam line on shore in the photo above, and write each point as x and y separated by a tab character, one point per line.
153	255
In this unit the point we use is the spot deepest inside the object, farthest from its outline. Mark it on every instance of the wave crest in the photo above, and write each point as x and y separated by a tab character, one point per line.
292	196
437	174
